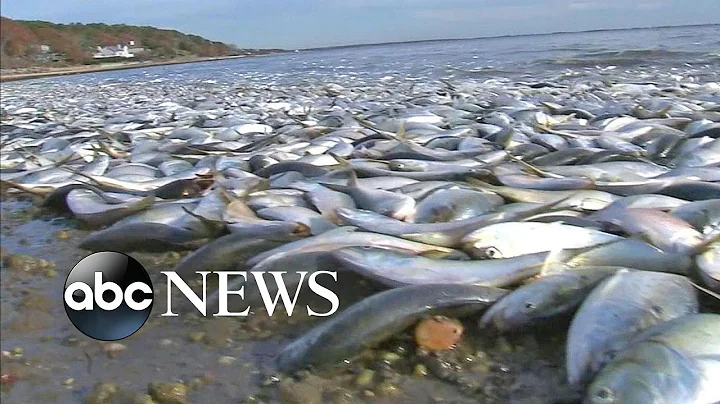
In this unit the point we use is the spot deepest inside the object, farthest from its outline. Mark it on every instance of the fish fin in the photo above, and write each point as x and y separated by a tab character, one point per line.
226	196
76	172
262	185
552	107
545	207
110	152
401	133
665	111
556	132
257	144
480	184
336	187
215	226
146	202
353	180
199	151
533	168
367	125
705	244
19	187
343	161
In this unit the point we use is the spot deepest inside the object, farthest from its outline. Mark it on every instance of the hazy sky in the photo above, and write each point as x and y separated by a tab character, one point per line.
306	23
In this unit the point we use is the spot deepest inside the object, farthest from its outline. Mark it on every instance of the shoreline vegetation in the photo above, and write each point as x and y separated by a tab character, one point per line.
37	49
39	72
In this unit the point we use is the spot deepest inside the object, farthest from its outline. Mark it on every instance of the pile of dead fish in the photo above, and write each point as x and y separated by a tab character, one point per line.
513	202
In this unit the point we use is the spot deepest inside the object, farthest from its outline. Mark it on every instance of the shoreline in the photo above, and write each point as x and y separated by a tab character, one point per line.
73	70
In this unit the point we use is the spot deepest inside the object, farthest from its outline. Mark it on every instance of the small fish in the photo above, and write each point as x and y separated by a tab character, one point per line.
386	203
619	308
377	318
673	362
396	268
547	297
512	239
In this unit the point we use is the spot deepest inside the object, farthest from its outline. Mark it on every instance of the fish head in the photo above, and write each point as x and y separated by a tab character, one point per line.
513	312
495	241
625	382
483	252
406	166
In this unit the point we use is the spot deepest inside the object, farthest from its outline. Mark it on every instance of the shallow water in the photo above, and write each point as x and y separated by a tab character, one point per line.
695	48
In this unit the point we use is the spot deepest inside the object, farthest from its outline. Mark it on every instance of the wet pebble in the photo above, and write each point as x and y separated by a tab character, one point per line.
26	263
113	349
168	393
365	378
299	393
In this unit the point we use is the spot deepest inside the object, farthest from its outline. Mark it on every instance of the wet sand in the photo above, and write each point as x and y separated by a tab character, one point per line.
71	70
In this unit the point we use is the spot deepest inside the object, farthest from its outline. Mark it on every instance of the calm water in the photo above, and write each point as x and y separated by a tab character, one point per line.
690	49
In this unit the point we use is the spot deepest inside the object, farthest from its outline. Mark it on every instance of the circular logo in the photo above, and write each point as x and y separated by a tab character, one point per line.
108	296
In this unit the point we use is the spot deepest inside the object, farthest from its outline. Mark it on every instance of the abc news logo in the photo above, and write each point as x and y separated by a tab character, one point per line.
108	295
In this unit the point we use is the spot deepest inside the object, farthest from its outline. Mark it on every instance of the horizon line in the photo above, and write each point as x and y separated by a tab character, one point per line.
501	36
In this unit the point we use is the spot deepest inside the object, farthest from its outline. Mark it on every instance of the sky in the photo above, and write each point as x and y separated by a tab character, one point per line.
295	24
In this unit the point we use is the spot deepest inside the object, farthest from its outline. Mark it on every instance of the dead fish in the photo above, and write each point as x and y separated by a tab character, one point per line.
619	308
344	237
708	264
379	317
231	251
631	253
386	203
396	268
663	230
584	199
547	297
308	217
143	237
513	239
447	205
673	362
89	207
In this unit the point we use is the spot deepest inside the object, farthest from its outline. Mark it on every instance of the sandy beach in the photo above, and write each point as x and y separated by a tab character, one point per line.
21	74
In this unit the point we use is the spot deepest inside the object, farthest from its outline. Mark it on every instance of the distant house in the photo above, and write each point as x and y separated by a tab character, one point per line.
118	51
45	55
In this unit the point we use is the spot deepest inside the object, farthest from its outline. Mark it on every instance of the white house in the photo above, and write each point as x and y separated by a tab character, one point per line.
113	52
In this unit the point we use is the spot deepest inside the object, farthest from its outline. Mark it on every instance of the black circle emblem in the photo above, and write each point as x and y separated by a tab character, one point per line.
108	296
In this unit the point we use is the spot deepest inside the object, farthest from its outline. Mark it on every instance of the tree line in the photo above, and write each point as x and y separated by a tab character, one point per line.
21	41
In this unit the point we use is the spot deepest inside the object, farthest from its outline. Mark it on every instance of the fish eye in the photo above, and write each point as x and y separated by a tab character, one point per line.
604	394
530	306
492	252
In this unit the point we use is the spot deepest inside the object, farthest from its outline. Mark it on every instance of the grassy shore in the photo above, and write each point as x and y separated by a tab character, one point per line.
69	70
